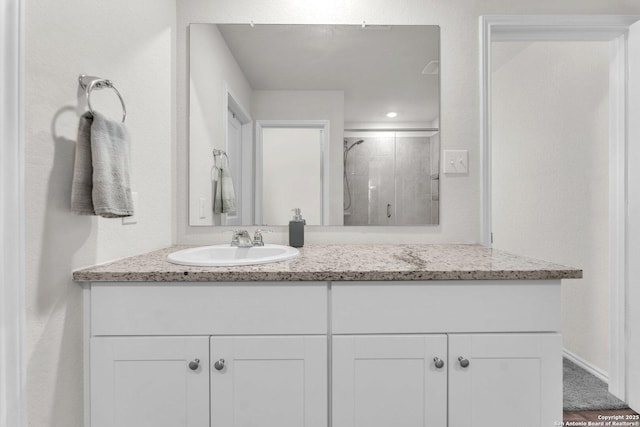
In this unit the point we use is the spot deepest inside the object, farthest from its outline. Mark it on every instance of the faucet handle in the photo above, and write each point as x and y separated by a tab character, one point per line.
257	236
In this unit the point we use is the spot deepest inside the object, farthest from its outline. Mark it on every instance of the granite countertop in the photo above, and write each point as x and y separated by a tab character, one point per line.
342	263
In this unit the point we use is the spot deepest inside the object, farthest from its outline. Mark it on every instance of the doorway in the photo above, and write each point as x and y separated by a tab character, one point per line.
550	175
292	171
623	34
239	152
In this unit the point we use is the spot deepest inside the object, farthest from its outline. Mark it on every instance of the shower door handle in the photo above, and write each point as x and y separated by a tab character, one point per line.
388	210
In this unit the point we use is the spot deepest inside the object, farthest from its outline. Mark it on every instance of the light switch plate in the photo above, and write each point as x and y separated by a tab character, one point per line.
133	219
456	161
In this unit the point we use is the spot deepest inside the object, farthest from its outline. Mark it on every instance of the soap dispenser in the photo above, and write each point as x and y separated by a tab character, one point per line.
296	229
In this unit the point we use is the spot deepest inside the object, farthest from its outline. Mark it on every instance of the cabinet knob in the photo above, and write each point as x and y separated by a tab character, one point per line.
194	364
463	362
219	365
439	362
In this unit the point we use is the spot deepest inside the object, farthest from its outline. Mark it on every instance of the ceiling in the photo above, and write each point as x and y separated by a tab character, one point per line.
379	68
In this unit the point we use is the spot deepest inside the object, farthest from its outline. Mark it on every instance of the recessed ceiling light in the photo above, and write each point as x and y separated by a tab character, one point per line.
392	114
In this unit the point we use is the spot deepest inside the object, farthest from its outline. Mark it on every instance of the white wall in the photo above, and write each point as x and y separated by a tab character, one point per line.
550	146
213	71
131	43
458	21
310	105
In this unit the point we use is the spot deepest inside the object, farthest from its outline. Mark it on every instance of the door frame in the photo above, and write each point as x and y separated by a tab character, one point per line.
245	186
324	127
575	28
12	223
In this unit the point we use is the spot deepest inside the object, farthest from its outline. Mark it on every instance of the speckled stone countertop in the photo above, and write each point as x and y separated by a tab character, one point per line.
342	263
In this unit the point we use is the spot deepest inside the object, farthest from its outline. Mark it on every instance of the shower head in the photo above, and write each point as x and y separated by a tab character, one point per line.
360	141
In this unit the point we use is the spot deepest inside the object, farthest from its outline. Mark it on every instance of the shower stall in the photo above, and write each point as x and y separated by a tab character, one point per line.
391	178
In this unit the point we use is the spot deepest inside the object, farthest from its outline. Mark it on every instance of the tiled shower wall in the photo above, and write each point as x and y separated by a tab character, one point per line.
393	180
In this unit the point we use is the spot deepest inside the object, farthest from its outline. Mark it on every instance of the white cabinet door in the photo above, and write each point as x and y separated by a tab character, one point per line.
510	379
147	382
389	380
269	381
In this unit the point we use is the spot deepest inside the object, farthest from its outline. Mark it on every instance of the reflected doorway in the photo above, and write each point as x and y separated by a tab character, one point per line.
291	171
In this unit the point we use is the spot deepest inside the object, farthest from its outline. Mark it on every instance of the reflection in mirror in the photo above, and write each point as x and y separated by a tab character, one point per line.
287	183
391	178
339	120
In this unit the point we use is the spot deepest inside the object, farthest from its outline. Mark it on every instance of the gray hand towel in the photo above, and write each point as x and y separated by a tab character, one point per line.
82	184
225	196
108	146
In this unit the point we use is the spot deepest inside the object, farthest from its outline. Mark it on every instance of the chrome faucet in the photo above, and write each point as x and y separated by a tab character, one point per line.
242	239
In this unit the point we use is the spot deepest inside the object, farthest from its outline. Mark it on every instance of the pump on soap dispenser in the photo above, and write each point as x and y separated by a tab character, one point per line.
296	229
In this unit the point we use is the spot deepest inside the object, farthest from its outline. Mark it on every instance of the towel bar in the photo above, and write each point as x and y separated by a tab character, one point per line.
89	83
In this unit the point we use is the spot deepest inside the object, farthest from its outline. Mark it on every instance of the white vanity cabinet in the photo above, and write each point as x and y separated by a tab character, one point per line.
206	354
456	354
388	380
457	380
169	381
476	353
278	381
501	380
149	381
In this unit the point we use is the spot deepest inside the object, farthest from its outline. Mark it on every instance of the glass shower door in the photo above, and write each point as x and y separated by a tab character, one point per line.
391	178
369	188
382	202
413	178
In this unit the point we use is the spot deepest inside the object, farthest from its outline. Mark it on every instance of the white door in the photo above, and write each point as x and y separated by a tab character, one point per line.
150	382
502	380
269	381
286	184
387	380
633	191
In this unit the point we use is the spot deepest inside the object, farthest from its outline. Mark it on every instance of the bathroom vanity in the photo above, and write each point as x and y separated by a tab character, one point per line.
343	336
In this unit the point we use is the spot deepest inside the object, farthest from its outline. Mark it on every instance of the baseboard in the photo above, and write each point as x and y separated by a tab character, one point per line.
598	373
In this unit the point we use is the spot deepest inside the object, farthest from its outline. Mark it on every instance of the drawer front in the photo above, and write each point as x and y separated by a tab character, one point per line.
445	306
208	309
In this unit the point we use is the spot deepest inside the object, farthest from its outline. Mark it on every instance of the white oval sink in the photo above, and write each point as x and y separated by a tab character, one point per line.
226	255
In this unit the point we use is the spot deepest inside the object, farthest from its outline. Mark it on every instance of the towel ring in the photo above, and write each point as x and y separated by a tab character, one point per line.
220	153
89	83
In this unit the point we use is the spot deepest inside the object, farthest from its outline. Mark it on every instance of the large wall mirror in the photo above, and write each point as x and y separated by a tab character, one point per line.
341	121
